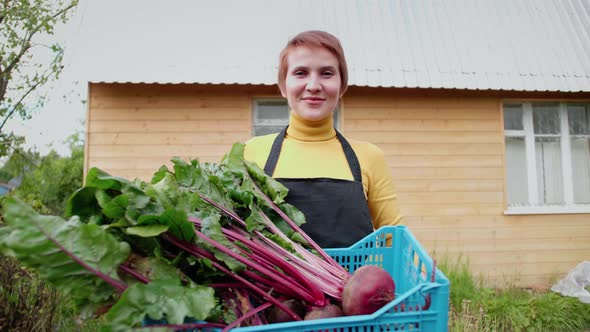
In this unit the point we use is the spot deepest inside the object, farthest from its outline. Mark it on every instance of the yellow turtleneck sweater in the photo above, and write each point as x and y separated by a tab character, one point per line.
311	150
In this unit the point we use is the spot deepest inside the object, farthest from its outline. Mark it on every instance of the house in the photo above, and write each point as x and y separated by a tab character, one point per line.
11	185
481	107
4	189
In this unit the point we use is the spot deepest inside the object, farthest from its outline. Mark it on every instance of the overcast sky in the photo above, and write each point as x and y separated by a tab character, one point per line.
65	110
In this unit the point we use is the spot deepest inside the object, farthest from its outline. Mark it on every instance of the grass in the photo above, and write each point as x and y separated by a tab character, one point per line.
475	307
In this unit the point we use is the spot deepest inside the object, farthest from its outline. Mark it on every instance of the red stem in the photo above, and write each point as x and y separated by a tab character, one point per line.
295	227
308	291
225	210
327	283
282	264
226	285
246	316
134	274
198	252
335	270
257	267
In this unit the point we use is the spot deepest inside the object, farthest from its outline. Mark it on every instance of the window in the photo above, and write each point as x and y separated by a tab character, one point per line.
547	157
272	115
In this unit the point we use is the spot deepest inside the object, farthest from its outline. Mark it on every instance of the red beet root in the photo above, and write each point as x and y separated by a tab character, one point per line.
328	311
368	289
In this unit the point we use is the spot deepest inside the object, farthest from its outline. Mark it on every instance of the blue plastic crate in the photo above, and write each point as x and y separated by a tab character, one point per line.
420	304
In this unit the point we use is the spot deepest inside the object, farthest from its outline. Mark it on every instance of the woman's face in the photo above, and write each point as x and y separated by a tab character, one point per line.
312	85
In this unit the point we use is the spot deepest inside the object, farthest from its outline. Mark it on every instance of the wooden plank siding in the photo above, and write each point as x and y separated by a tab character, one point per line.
133	129
446	153
445	150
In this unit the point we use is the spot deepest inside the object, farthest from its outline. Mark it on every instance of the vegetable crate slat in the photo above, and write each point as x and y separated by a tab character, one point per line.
422	296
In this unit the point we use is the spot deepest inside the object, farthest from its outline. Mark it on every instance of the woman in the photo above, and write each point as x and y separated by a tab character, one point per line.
344	189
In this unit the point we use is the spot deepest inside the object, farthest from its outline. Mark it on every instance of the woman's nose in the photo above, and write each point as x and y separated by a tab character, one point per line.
313	84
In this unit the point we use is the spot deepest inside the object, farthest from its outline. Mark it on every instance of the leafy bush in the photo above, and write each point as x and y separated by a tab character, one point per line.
47	181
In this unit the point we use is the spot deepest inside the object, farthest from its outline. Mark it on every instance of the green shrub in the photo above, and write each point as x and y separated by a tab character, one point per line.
47	181
475	307
49	185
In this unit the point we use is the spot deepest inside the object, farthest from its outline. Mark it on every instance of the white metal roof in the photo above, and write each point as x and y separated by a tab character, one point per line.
523	45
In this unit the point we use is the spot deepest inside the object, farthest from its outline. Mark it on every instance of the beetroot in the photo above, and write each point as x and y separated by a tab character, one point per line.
368	289
329	311
276	315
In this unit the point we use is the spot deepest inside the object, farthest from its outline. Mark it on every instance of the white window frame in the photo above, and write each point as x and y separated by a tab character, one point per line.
256	101
528	133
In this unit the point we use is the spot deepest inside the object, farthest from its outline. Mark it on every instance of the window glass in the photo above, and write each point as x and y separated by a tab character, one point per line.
271	110
270	116
513	117
546	118
516	173
578	116
265	130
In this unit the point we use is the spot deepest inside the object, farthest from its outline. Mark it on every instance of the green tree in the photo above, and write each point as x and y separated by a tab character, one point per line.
22	24
20	162
48	186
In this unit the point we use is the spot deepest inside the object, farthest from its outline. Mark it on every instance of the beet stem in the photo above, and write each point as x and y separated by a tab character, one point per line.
134	274
295	227
246	316
198	252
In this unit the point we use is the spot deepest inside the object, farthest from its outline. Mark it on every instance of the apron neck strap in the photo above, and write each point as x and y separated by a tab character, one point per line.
353	162
275	151
273	157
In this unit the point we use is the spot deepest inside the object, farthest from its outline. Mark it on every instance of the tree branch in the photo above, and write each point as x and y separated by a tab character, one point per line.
25	45
14	108
6	3
27	40
3	86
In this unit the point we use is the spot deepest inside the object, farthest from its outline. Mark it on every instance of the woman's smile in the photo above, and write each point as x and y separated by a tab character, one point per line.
314	101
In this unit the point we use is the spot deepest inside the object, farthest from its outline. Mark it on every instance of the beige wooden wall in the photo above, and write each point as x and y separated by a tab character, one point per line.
446	153
445	150
134	129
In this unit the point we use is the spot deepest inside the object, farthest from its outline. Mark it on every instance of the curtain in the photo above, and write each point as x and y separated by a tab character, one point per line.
516	173
581	169
549	171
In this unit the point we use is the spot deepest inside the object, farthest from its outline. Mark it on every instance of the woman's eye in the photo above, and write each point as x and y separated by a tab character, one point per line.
328	74
299	73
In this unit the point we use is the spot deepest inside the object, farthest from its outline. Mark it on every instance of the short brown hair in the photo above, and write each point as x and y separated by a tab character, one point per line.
312	39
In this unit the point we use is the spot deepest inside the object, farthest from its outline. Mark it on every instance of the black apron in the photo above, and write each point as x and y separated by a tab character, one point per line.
336	210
